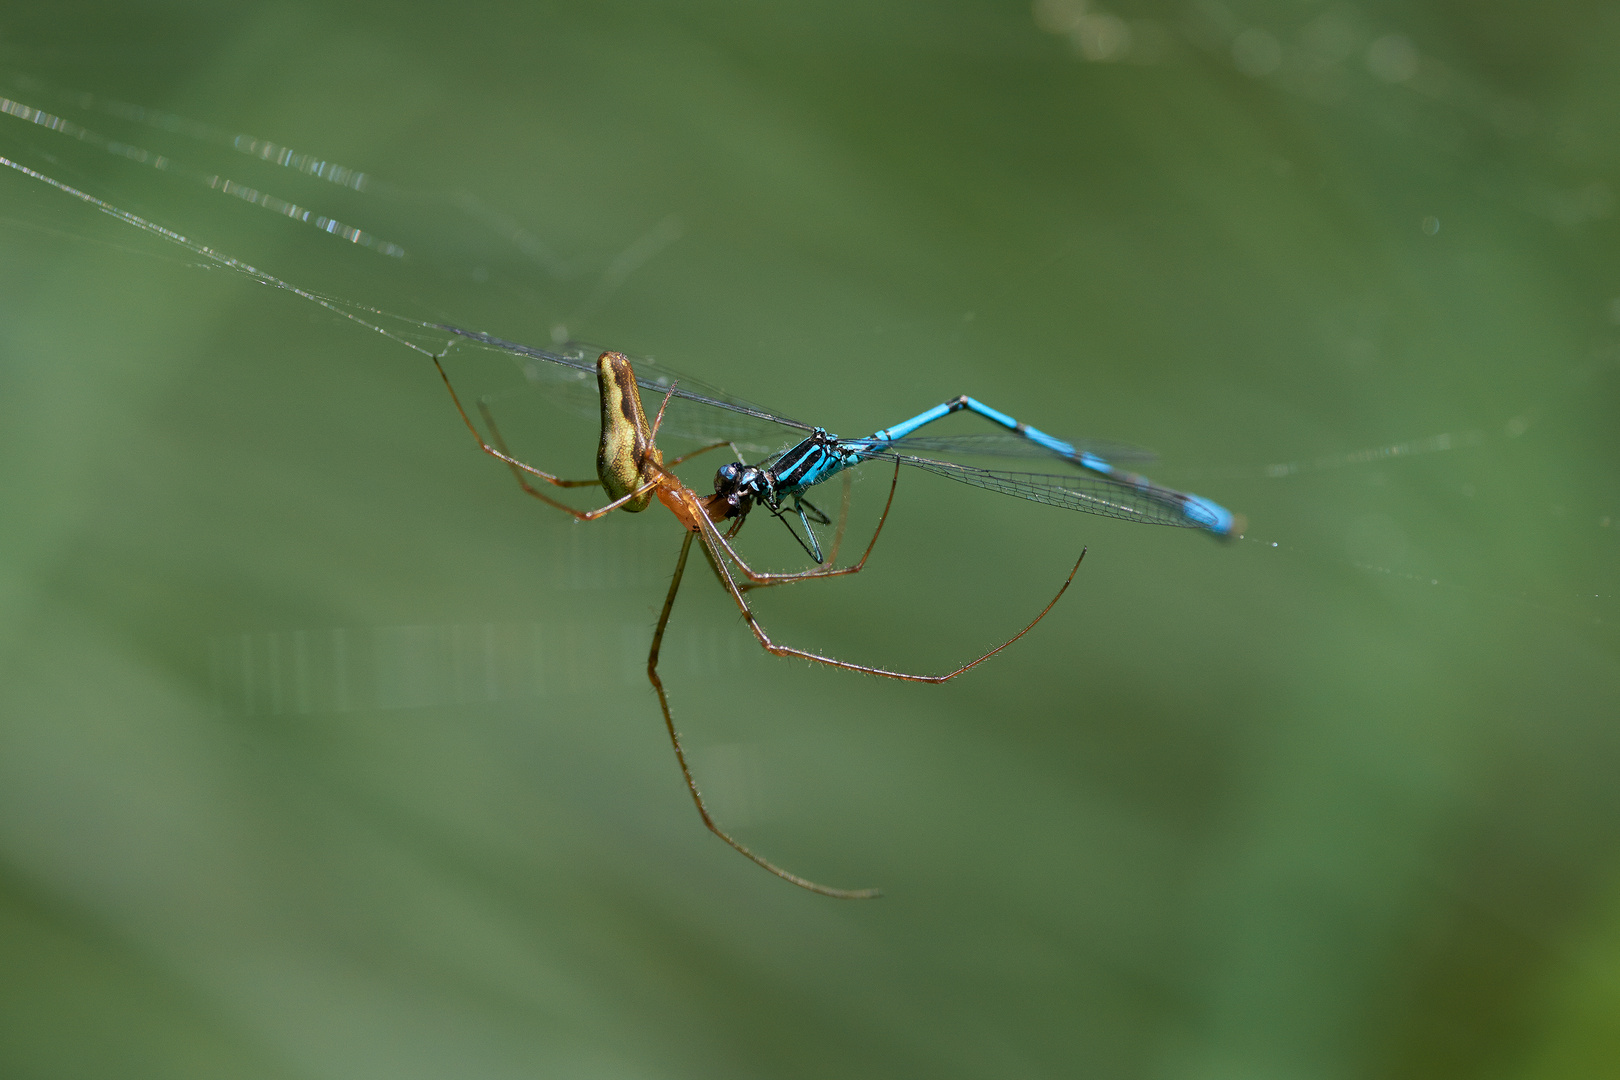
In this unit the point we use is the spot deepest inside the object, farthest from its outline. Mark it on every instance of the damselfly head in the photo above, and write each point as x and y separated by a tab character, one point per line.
727	477
739	486
737	478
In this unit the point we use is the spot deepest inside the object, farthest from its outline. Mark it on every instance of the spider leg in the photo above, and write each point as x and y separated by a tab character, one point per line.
522	469
680	752
769	645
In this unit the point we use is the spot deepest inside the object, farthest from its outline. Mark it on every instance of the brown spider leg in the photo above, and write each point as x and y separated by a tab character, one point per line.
680	754
521	467
758	580
774	649
499	451
694	453
518	470
659	419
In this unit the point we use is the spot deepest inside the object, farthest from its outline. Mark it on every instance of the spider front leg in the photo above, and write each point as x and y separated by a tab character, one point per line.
690	454
520	468
686	772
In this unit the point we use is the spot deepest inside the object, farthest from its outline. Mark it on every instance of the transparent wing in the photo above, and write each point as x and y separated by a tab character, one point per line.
1133	500
1005	444
697	410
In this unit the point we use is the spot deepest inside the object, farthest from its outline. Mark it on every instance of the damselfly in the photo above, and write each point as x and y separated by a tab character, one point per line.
632	470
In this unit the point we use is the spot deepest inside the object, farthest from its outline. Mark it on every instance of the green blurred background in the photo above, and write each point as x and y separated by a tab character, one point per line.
324	752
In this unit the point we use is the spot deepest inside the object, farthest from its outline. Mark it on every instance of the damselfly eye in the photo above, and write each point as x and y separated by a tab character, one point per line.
726	477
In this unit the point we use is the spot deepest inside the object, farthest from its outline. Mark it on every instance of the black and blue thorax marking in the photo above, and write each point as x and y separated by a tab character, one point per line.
817	458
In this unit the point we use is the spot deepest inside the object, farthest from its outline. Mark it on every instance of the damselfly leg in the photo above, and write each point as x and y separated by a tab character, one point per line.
760	579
